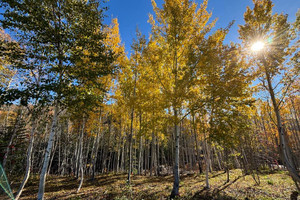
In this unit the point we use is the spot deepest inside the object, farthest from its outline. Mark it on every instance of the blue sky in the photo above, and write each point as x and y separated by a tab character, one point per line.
133	13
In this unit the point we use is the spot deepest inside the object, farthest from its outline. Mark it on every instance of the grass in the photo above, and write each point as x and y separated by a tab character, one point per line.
113	186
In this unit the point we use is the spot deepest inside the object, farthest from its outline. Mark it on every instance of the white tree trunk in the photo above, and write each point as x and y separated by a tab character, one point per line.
12	138
175	190
47	155
81	157
284	148
207	162
96	148
28	161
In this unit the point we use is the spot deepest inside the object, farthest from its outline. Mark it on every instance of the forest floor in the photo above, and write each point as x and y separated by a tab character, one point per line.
276	185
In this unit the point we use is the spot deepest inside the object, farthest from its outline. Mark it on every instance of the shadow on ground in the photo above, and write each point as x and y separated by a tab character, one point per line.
217	194
209	195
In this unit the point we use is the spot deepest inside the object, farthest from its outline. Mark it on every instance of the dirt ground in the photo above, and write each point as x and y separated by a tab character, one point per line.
276	185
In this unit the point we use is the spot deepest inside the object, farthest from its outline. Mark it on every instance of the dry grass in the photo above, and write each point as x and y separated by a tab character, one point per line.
113	186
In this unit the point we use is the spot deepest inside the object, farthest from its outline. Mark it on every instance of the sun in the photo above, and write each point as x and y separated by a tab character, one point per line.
257	46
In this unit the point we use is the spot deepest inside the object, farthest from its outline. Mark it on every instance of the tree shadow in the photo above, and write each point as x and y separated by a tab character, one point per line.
102	181
53	185
226	185
217	193
206	194
149	194
272	171
218	174
156	179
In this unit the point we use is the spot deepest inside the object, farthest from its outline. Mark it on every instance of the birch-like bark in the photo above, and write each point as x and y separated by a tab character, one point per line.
28	161
207	163
81	156
284	148
17	123
197	146
47	154
131	133
96	148
140	161
52	156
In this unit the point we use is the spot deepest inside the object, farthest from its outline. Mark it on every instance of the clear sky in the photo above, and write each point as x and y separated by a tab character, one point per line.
133	13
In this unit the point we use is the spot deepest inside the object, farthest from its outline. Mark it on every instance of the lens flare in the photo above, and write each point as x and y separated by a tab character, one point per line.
257	46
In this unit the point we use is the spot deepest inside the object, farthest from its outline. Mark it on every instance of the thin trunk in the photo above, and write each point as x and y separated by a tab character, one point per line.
163	157
95	154
218	159
134	159
152	154
246	163
157	158
81	180
175	190
52	156
59	149
146	156
206	172
118	154
130	151
284	148
140	162
227	165
90	169
86	154
197	146
47	154
185	153
123	155
130	140
76	158
131	126
296	114
207	156
102	154
236	161
16	126
190	153
228	178
81	157
28	160
64	160
108	153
